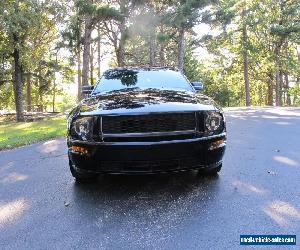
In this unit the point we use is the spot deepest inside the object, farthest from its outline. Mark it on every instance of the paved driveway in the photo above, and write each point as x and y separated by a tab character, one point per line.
257	192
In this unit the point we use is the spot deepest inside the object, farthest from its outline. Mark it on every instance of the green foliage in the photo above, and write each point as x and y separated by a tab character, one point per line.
31	27
295	94
192	69
12	134
44	30
185	13
98	12
271	44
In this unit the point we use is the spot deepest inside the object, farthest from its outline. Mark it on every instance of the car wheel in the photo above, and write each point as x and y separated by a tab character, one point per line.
80	177
211	172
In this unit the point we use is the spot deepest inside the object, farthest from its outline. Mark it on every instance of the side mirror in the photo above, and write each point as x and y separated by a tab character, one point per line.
198	86
87	89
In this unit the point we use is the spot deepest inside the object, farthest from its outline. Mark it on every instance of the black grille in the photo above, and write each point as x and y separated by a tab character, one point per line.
166	122
151	166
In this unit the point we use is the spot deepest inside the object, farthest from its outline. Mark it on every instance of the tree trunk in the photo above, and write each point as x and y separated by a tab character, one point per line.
162	55
86	50
288	97
99	53
277	88
270	89
121	48
152	48
246	78
280	87
53	97
92	65
28	92
162	58
260	95
181	49
246	66
298	78
279	83
283	89
278	72
79	74
54	85
120	56
40	94
78	54
18	86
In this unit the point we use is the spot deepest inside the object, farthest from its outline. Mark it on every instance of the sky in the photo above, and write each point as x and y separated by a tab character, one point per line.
201	30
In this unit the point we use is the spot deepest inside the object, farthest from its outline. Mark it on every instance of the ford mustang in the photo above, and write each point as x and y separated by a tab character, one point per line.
145	120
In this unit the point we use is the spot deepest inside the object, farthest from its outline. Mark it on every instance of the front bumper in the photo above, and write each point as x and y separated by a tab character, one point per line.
148	157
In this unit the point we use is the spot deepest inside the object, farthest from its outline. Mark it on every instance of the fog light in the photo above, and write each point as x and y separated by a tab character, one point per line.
216	144
80	150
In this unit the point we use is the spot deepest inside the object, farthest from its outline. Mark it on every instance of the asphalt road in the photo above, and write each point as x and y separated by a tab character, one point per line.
257	192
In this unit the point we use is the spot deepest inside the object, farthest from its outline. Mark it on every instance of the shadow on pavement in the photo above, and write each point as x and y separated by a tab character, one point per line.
137	209
172	196
152	186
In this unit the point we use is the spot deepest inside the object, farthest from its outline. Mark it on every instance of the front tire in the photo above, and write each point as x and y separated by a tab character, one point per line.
211	172
81	177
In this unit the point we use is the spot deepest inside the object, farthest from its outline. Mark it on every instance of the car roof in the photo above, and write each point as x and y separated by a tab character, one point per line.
142	68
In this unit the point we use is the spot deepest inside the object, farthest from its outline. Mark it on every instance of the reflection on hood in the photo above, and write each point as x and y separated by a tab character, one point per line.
135	98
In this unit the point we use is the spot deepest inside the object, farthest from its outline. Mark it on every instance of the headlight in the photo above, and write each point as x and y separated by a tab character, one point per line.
214	122
82	128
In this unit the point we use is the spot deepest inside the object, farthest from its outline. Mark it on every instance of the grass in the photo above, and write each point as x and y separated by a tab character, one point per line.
18	134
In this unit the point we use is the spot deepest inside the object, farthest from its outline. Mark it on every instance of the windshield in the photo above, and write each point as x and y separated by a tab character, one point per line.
113	80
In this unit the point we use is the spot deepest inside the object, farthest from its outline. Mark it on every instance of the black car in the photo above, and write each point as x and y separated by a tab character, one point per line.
145	120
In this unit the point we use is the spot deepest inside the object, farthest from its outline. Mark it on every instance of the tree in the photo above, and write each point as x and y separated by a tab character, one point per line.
29	31
92	14
20	21
184	15
116	29
72	40
245	55
15	31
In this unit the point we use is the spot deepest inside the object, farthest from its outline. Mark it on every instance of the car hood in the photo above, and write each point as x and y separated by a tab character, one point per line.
144	101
